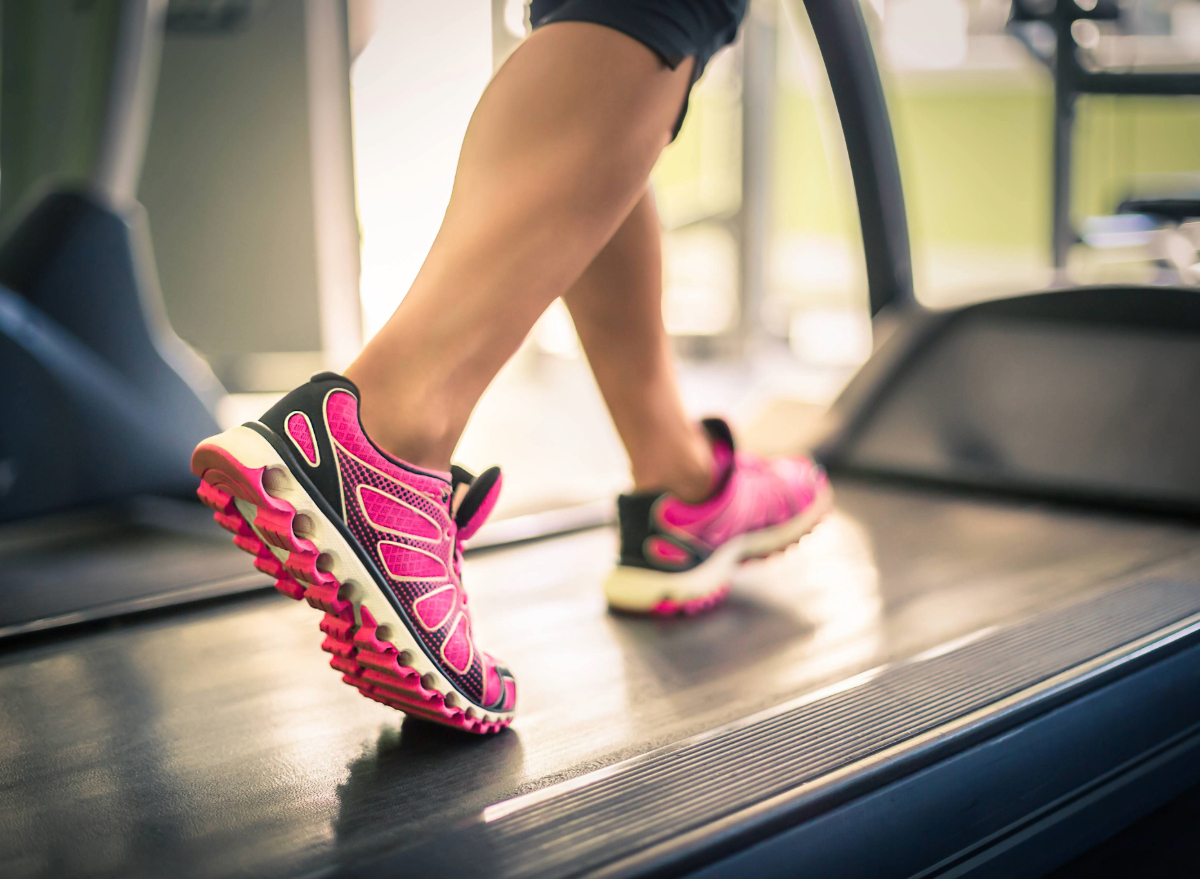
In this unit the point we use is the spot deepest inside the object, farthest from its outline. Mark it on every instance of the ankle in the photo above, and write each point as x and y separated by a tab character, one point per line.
405	423
685	471
413	444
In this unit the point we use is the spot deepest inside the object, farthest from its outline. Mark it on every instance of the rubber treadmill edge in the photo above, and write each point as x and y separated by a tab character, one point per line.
887	831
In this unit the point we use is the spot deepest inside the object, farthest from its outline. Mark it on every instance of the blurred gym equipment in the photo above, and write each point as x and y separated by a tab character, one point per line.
101	399
107	401
1159	222
983	664
1071	50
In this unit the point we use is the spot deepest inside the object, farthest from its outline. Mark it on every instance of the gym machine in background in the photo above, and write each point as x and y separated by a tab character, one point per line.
101	400
1157	218
248	184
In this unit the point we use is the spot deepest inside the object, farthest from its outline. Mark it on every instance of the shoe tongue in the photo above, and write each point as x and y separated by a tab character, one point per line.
460	481
721	438
472	505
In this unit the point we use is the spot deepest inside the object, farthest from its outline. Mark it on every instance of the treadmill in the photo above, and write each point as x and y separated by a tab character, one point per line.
983	663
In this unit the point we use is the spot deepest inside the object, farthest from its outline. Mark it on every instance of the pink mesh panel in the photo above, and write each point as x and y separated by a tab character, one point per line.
457	650
384	511
300	432
739	514
758	493
435	608
675	512
799	474
406	563
417	562
356	473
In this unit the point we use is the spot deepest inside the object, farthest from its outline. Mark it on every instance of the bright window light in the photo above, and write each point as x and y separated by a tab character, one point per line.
415	86
926	34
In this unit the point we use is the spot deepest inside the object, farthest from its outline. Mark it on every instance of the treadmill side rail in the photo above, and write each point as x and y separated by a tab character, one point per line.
1018	805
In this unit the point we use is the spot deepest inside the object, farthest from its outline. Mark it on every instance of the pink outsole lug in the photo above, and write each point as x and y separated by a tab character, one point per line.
366	663
212	496
290	588
270	566
323	596
337	628
251	545
234	524
669	608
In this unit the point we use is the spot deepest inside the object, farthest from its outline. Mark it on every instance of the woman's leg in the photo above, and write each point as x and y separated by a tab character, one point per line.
617	308
556	155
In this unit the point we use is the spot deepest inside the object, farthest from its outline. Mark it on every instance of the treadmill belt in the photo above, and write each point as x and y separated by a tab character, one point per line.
214	741
151	552
145	553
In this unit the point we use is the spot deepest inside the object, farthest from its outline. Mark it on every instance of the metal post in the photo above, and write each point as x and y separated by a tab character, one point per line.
1061	231
758	125
118	165
335	212
845	46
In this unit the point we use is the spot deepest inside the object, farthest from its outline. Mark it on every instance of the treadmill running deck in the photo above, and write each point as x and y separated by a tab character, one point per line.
214	740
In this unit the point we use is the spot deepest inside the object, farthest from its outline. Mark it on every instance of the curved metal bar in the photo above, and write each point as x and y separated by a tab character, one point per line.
849	59
118	164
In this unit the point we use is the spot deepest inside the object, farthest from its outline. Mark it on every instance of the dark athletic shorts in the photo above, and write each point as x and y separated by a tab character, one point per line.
673	29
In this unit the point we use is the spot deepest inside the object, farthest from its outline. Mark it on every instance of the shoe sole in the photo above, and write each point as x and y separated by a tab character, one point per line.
669	593
272	517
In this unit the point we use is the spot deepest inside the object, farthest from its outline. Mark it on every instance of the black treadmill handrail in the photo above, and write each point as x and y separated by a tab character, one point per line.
845	46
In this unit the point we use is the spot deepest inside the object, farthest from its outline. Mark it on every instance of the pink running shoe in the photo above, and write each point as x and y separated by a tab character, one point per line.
678	558
372	542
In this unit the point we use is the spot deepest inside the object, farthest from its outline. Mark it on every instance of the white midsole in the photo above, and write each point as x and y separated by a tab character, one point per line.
358	586
641	589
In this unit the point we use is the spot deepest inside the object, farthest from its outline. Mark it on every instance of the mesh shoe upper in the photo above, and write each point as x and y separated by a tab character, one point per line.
402	522
752	492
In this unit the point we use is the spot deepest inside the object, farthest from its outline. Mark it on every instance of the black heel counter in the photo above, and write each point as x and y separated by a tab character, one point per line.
309	399
635	518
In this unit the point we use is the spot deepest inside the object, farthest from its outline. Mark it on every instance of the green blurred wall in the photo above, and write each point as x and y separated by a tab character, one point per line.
974	154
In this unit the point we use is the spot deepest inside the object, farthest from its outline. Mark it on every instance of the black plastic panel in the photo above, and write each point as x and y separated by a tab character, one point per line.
95	399
1079	394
